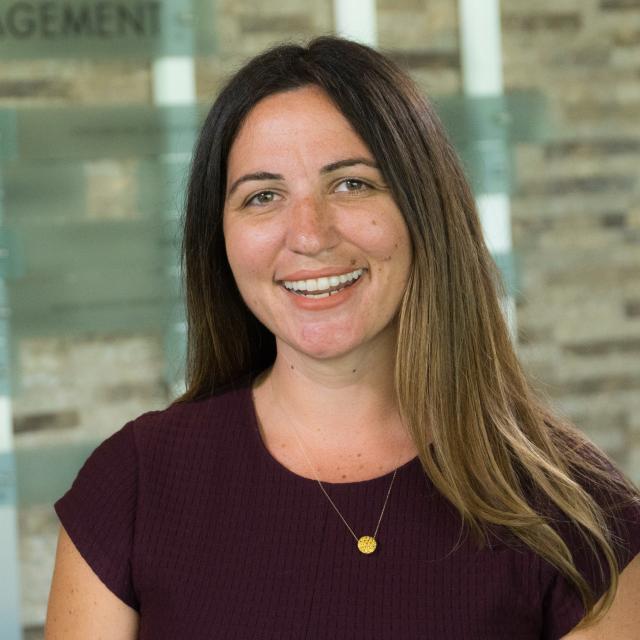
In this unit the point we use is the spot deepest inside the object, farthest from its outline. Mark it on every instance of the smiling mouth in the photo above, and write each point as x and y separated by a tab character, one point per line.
323	287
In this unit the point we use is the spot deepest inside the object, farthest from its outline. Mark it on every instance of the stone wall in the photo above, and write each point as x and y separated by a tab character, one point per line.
575	220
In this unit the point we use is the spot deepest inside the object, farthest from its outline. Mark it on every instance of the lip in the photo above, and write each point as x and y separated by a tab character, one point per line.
320	304
325	273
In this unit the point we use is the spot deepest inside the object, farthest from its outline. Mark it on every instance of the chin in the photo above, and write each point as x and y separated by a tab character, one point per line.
328	342
323	347
322	351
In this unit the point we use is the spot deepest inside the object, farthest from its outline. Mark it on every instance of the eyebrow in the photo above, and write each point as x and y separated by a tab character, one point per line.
333	166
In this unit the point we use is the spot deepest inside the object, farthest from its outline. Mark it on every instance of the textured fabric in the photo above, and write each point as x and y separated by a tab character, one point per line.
187	518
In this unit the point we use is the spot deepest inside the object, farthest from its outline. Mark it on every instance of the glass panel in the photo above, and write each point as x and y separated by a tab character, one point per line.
77	273
519	116
8	134
43	474
43	190
109	29
509	269
484	129
74	133
489	166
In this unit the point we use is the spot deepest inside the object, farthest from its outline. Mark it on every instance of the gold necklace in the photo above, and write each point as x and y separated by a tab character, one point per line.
366	544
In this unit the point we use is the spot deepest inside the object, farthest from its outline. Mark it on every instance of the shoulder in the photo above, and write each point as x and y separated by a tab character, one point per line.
622	621
192	421
620	506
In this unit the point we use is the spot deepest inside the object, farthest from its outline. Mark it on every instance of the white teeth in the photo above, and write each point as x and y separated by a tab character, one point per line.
309	285
321	284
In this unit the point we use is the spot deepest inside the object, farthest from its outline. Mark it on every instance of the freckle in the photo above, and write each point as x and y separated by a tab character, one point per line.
353	261
359	455
353	370
360	467
373	222
292	367
343	475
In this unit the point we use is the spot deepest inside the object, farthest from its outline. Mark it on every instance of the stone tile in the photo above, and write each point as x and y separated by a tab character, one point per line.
402	5
33	633
45	421
543	6
434	82
41	88
582	147
428	59
533	335
38	533
626	347
626	37
603	111
111	189
551	21
614	219
587	56
436	27
255	23
632	308
601	384
584	185
118	393
616	5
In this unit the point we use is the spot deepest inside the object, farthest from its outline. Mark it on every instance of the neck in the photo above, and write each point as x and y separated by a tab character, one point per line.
347	403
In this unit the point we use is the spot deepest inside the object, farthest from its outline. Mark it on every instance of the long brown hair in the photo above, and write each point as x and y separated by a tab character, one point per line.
501	456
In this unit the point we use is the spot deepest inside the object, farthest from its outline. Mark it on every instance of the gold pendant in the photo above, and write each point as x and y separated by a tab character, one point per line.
367	544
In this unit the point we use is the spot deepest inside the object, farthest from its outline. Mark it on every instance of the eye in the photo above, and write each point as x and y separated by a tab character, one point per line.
261	198
352	184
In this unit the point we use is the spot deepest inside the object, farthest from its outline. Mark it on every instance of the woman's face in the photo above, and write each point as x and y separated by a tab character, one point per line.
318	248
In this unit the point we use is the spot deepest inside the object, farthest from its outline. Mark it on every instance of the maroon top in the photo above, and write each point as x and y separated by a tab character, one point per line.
185	515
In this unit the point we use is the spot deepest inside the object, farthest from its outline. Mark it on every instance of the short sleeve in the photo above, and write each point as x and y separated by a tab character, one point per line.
99	512
562	605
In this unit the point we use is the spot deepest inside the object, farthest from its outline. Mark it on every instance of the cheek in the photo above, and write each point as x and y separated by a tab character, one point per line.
383	235
250	249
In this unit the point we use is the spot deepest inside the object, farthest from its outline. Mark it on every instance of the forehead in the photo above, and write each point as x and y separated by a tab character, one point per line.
302	122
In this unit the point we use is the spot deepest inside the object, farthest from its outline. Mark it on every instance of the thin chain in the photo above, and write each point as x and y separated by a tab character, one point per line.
295	431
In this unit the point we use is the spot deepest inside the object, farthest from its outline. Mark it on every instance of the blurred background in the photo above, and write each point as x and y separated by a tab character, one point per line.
100	103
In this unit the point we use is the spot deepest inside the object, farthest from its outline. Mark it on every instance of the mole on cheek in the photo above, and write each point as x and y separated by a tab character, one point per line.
373	222
353	261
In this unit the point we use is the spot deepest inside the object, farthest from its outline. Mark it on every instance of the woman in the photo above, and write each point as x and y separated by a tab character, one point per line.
358	452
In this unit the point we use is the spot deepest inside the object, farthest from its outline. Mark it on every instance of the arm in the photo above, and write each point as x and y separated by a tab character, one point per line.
622	621
80	605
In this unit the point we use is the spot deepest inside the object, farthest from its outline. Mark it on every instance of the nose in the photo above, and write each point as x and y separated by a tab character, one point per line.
311	227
